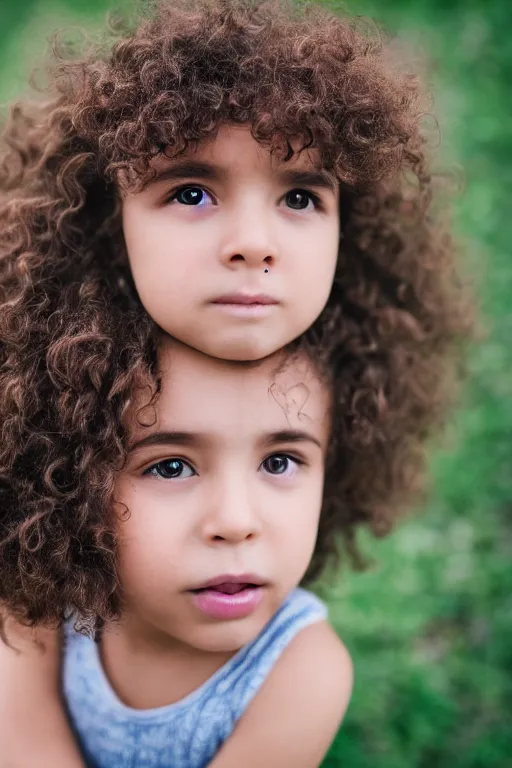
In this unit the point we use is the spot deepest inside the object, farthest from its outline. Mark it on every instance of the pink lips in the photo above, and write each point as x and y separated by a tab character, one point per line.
246	306
245	299
229	597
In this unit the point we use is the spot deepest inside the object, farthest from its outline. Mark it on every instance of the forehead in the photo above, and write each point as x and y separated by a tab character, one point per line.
230	139
200	393
233	150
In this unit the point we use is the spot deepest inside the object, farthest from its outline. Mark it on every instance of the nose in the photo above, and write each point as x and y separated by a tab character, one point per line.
250	237
232	515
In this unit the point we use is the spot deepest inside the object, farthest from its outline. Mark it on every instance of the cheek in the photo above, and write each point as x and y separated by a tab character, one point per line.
312	518
148	564
328	244
161	237
161	266
308	533
298	523
148	543
315	495
317	250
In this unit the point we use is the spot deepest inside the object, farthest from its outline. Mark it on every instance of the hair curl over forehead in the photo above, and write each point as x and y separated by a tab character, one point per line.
75	341
195	64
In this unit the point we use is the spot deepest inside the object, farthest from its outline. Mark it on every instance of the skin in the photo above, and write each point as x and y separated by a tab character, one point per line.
30	702
191	506
210	224
227	480
246	222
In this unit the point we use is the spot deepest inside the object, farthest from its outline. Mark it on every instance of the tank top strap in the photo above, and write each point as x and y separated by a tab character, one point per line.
244	674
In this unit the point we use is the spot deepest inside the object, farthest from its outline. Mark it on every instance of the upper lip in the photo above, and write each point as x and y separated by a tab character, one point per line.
230	578
245	298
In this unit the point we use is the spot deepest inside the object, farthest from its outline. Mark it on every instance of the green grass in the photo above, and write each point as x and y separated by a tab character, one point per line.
430	625
430	628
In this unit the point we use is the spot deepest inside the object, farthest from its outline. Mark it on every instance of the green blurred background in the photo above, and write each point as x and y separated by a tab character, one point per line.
429	626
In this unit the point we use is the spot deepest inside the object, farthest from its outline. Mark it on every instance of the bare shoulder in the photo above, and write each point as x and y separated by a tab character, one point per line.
318	649
298	710
30	701
316	664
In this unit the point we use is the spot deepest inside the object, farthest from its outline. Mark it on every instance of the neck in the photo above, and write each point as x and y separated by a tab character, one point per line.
146	673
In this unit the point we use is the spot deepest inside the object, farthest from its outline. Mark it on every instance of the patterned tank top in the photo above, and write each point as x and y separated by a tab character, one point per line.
189	732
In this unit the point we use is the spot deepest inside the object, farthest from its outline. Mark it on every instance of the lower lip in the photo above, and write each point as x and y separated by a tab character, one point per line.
245	310
219	605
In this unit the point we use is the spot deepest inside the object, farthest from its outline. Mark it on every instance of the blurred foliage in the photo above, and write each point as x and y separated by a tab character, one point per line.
429	626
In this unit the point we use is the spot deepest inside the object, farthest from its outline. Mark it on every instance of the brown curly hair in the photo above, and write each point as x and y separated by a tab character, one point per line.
76	343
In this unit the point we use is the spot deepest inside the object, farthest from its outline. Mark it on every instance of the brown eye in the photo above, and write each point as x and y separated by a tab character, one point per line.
277	464
191	196
171	469
298	199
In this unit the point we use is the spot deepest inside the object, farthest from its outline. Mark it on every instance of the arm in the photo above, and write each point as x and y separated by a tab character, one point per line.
294	717
34	731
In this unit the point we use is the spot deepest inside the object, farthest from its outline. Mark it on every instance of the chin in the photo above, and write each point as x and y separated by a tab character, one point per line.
228	636
248	349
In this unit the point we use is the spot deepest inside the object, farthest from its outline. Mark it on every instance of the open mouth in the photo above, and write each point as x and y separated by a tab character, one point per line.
227	588
228	600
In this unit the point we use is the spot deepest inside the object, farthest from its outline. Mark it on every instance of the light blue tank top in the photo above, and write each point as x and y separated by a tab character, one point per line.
188	733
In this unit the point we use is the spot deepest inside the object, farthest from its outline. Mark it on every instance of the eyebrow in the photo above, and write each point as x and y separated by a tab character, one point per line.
195	438
199	169
312	178
167	438
292	436
186	168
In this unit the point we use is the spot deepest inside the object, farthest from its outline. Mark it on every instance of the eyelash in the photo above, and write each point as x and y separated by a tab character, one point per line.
153	469
315	199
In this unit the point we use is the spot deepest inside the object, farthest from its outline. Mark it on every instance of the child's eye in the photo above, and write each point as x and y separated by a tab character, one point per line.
301	200
280	464
171	469
191	195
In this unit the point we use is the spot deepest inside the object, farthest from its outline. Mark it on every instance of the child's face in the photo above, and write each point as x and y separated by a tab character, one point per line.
232	250
227	482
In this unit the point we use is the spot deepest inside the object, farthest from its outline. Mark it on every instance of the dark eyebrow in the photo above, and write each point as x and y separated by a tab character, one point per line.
197	169
292	436
192	438
167	438
298	178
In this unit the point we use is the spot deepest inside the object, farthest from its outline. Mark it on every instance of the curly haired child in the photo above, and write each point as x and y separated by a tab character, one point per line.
243	176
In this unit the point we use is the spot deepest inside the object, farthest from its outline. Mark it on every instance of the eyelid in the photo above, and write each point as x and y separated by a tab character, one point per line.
292	455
